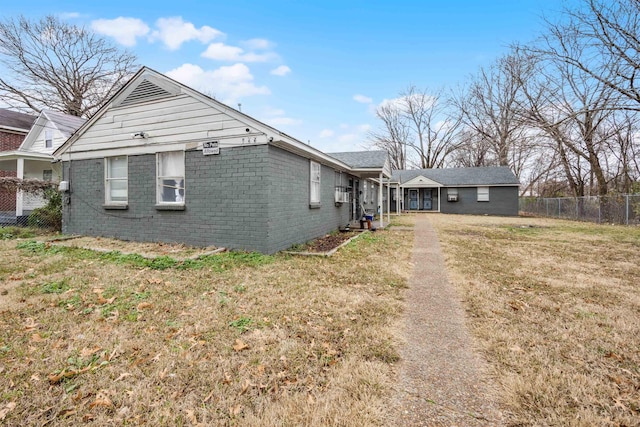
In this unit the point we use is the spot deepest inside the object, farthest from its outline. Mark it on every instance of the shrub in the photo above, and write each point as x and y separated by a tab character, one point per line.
50	215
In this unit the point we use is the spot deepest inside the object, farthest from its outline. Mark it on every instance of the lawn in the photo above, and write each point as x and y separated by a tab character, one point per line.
229	339
555	309
250	340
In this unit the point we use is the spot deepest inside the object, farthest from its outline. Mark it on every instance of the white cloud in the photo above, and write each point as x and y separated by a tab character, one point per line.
69	15
227	84
223	52
124	30
362	99
174	31
348	138
282	70
364	128
326	133
257	44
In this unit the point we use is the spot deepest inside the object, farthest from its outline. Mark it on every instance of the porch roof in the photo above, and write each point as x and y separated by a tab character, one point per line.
459	177
366	164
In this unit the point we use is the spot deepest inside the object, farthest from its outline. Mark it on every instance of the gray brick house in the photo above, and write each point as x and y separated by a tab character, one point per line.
163	162
479	191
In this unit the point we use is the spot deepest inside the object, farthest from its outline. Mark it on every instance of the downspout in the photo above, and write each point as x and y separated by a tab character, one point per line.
380	202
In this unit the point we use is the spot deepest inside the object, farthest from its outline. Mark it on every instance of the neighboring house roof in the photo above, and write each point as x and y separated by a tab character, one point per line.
13	120
65	123
451	177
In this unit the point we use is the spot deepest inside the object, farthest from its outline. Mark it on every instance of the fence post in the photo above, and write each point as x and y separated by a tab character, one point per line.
599	209
577	208
559	209
626	211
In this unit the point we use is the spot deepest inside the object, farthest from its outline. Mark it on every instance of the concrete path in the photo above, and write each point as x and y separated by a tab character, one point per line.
442	380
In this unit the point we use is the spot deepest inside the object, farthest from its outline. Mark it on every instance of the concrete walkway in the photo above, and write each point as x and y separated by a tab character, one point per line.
442	380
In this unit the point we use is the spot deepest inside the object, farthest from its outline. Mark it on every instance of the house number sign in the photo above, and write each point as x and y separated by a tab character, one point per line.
210	147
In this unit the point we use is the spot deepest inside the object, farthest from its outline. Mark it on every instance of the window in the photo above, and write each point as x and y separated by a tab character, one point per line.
452	194
48	138
116	181
47	175
314	180
483	194
170	178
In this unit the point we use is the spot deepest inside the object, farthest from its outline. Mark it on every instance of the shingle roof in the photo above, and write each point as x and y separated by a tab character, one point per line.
498	175
362	159
14	119
64	122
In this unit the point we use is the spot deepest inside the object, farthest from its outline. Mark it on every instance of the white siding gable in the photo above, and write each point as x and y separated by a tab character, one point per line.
34	141
171	119
421	181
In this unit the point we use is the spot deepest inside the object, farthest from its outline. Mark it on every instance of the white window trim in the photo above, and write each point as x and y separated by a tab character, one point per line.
159	201
315	179
108	180
48	137
483	194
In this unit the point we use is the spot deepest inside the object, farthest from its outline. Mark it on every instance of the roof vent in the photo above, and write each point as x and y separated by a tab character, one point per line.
145	91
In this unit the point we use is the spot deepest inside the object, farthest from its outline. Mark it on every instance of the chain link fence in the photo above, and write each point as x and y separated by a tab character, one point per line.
619	209
30	203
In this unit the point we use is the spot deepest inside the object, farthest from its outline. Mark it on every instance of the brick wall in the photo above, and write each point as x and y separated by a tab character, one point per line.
252	198
10	141
502	201
291	220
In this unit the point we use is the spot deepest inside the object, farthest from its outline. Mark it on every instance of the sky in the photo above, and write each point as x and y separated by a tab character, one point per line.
315	70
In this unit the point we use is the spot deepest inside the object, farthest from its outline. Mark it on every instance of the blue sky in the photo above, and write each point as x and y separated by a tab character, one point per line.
315	70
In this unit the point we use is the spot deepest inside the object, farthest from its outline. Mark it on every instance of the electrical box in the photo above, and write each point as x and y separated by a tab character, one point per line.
63	186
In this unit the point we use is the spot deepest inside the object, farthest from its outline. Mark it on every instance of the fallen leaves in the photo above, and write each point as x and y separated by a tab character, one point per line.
7	408
240	345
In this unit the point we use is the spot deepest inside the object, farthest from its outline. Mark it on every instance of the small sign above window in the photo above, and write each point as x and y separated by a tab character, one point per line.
210	147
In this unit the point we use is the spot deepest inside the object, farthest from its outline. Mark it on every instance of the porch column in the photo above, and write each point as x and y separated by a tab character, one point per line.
380	202
19	194
388	202
439	199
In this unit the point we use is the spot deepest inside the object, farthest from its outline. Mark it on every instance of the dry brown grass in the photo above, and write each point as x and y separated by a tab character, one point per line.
232	340
555	306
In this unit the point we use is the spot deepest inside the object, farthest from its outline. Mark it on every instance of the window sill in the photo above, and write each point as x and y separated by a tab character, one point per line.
170	207
116	207
314	205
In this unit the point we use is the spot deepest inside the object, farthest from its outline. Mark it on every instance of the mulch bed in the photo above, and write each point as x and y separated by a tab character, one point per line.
328	242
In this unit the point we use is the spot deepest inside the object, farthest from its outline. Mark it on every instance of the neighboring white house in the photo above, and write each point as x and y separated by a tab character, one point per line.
34	157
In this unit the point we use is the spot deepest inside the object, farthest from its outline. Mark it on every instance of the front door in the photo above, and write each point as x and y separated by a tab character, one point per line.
427	200
413	200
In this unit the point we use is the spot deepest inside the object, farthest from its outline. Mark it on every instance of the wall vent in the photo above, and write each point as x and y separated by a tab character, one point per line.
145	91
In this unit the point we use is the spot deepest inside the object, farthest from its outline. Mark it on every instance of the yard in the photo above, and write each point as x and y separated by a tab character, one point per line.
247	339
229	339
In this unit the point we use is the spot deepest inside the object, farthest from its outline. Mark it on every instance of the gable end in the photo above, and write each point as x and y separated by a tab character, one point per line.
145	91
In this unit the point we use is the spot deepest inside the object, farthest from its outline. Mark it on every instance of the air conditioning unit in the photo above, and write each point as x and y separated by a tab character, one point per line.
452	198
342	196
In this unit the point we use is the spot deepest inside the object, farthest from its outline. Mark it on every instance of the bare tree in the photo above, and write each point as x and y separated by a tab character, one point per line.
51	64
610	32
417	127
394	135
490	106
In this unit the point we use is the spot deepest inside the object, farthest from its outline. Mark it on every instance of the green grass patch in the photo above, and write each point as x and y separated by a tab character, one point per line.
8	233
217	262
55	287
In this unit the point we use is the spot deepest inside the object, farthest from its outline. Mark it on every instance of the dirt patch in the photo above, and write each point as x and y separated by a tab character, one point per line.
146	249
328	242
